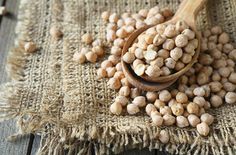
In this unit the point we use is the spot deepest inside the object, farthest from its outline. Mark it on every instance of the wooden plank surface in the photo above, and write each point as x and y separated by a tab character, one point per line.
8	128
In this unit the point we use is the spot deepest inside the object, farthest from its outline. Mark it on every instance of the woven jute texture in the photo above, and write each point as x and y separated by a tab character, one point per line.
62	101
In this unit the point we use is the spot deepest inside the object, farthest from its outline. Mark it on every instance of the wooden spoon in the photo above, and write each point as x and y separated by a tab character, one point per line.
187	12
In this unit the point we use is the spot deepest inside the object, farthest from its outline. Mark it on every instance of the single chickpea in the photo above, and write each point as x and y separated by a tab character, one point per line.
150	108
129	21
135	92
219	63
119	75
181	40
207	118
166	12
203	129
211	45
125	82
124	91
182	87
140	101
232	78
160	28
91	57
228	86
101	73
139	69
230	62
215	86
110	71
153	71
176	53
165	110
118	67
224	71
215	53
183	80
199	91
221	93
121	33
132	109
128	57
177	109
125	15
170	63
202	78
122	100
143	12
150	55
98	42
105	16
219	46
114	83
232	55
159	61
116	108
216	100
170	31
129	29
168	120
154	20
79	57
189	92
151	96
165	71
181	121
139	24
114	59
139	53
223	38
120	23
153	11
106	64
168	44
164	95
179	65
172	102
193	120
205	59
113	18
158	104
192	108
119	42
164	137
181	25
230	97
207	90
186	58
181	97
149	38
87	38
163	53
227	48
216	76
111	26
115	50
110	35
55	32
199	100
157	120
136	62
159	39
30	47
189	33
207	105
152	47
98	50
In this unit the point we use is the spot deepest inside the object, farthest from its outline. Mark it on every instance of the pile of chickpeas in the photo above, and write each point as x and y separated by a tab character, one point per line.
210	83
162	50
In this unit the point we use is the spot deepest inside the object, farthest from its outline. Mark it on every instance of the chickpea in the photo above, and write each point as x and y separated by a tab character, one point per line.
118	67
116	108
211	45
129	21
223	38
193	108
30	47
143	12
215	53
139	53
157	120
111	26
164	137
98	42
137	62
160	28
168	120
110	35
186	58
179	65
159	39
205	59
128	57
125	15
174	92
113	18
163	53
219	63
228	86
193	120
87	38
125	82
98	50
158	104
79	57
139	69
105	16
230	62
119	42
153	71
168	44
207	105
140	101
215	86
203	129
106	64
135	92
199	100
150	55
183	80
165	110
202	78
221	93
114	83
159	61
91	57
165	71
122	100
224	71
129	29
181	97
164	95
207	118
101	73
151	96
121	33
124	91
120	23
216	100
181	121
227	48
181	40
170	63
232	78
55	32
230	97
172	102
216	30
189	92
132	109
170	31
110	71
216	76
199	91
232	55
176	53
177	109
114	59
150	108
115	50
119	75
182	88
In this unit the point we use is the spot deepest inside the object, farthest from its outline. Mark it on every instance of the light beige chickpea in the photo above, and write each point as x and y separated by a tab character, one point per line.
181	97
110	71
110	35
228	86
153	11
198	67
223	80
118	67
168	120
151	96
181	25
139	53
230	97
84	50
142	44
208	70
113	18
165	71
111	26
114	59
139	69
140	101
122	100
105	16
186	58
172	102
177	109
91	57
98	42
183	80
150	55
189	92
164	95
125	82
129	29
219	46
153	71
199	91
203	129
135	92
159	39
124	91
224	71
143	12
119	42
221	93
189	33
216	100
232	55
166	12
120	23
216	76
207	105
154	20
199	100
232	78
230	63
119	75
170	63
157	120
168	44
121	33
193	120
79	57
165	110
170	31
176	53
202	78
158	104
159	61
55	32
87	38
215	86
98	50
223	38
163	53
211	45
114	83
130	21
115	50
207	118
181	121
116	108
203	46
155	113
30	47
149	38
136	62
105	64
164	137
132	109
216	30
150	108
128	57
192	108
101	73
160	28
179	65
181	40
139	24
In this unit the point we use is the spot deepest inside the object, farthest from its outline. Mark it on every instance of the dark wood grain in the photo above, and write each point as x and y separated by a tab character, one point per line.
8	128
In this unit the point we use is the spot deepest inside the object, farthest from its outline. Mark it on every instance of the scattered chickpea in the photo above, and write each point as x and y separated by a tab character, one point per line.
181	121
128	57
114	59
115	50
203	129
116	108
230	97
30	47
150	108
193	120
101	73
124	91
114	83
193	108
181	97
157	120
98	50
132	109
106	64
55	32
151	96
168	120
181	40
79	57
199	100
216	100
177	109
199	91
134	92
87	38
153	71
223	38
232	78
140	101
105	16
110	71
165	110
164	136
164	95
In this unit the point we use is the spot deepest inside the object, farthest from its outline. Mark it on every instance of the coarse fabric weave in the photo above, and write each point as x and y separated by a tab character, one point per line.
62	101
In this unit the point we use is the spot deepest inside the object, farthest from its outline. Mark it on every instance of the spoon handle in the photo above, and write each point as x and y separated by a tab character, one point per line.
188	10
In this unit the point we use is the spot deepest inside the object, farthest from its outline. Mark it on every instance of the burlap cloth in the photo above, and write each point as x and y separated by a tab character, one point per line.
62	101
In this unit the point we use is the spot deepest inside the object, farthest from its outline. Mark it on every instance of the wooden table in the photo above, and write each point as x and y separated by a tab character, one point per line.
26	145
